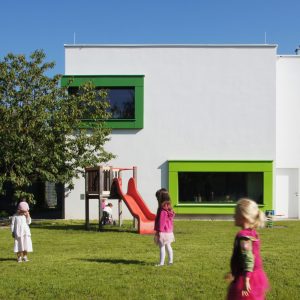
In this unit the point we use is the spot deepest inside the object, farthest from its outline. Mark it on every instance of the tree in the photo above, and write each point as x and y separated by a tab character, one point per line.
40	133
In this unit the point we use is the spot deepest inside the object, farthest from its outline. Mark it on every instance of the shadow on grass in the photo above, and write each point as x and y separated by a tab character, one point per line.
81	227
8	259
118	229
60	227
115	261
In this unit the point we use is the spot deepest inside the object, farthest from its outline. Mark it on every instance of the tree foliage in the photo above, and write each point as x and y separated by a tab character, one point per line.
40	133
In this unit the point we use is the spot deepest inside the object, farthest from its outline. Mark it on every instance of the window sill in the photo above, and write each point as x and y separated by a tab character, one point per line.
115	124
210	205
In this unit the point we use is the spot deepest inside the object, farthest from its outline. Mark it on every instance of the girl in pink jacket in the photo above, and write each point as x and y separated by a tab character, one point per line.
249	279
164	228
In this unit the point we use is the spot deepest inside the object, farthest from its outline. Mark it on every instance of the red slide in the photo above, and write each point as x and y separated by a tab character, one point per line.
137	206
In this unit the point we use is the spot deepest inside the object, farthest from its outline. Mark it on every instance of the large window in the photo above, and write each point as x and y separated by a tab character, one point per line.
121	100
125	95
219	187
213	187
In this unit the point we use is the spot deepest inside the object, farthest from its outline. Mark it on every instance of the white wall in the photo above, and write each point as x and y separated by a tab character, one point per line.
288	133
200	103
287	113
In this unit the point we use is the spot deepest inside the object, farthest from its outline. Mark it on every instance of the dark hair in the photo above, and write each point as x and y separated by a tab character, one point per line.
158	193
164	196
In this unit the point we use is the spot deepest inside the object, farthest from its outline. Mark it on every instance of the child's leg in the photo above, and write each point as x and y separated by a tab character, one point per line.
170	253
25	256
162	254
19	256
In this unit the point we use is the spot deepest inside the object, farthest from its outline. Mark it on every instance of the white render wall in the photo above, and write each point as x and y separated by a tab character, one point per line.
200	103
287	200
288	111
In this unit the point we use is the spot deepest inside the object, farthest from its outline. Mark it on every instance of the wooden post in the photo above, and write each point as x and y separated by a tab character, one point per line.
87	213
111	175
120	212
134	223
87	208
101	182
100	192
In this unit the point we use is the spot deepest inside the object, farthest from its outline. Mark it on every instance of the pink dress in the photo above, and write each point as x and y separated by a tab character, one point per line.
164	225
258	279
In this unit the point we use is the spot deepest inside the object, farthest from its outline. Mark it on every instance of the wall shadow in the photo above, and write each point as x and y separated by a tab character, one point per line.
164	169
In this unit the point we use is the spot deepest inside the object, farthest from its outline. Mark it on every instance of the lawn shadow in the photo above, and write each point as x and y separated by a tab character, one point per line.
8	259
118	229
81	227
115	261
60	227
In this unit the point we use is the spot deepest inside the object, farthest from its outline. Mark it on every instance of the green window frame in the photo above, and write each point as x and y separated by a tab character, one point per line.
136	81
176	166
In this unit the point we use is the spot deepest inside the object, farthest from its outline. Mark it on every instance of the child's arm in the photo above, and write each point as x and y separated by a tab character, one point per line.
247	255
12	226
247	262
28	218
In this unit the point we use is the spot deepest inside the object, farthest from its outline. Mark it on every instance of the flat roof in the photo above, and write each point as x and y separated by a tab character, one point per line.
170	45
289	55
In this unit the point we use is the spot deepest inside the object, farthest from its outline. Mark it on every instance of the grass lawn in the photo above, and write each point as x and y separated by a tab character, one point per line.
71	263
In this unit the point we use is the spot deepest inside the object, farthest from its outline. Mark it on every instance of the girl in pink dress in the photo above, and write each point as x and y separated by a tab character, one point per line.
249	278
164	227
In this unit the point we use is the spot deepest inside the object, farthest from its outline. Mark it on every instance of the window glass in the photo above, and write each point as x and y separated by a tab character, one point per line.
219	187
122	101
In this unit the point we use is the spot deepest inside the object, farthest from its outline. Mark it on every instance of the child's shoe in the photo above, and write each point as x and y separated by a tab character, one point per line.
19	259
25	259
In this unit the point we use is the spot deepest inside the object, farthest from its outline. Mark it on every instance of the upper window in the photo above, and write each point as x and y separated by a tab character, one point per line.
124	93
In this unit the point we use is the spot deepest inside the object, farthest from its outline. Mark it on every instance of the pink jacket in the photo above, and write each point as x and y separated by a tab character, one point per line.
165	221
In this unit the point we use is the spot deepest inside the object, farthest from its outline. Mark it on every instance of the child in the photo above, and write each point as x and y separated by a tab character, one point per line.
107	215
21	232
249	279
164	227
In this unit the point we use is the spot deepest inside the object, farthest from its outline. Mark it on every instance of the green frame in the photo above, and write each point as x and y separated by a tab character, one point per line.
176	166
136	81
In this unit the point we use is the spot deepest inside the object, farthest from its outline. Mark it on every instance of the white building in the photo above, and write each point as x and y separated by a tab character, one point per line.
211	123
287	135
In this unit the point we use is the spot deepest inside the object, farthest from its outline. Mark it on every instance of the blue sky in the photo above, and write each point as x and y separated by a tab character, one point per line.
49	24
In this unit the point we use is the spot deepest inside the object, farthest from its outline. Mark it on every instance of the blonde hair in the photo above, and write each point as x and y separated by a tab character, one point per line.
248	209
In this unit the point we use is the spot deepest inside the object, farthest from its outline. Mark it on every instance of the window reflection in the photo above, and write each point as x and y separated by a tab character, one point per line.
219	187
122	101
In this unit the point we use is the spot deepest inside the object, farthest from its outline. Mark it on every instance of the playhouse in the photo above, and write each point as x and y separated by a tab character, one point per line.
102	183
212	123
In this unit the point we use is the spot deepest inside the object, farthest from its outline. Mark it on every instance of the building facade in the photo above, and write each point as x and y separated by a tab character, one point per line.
208	122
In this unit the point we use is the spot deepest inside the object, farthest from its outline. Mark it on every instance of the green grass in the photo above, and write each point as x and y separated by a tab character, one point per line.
71	263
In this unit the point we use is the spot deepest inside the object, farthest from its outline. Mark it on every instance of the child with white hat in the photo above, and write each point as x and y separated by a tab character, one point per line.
21	231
